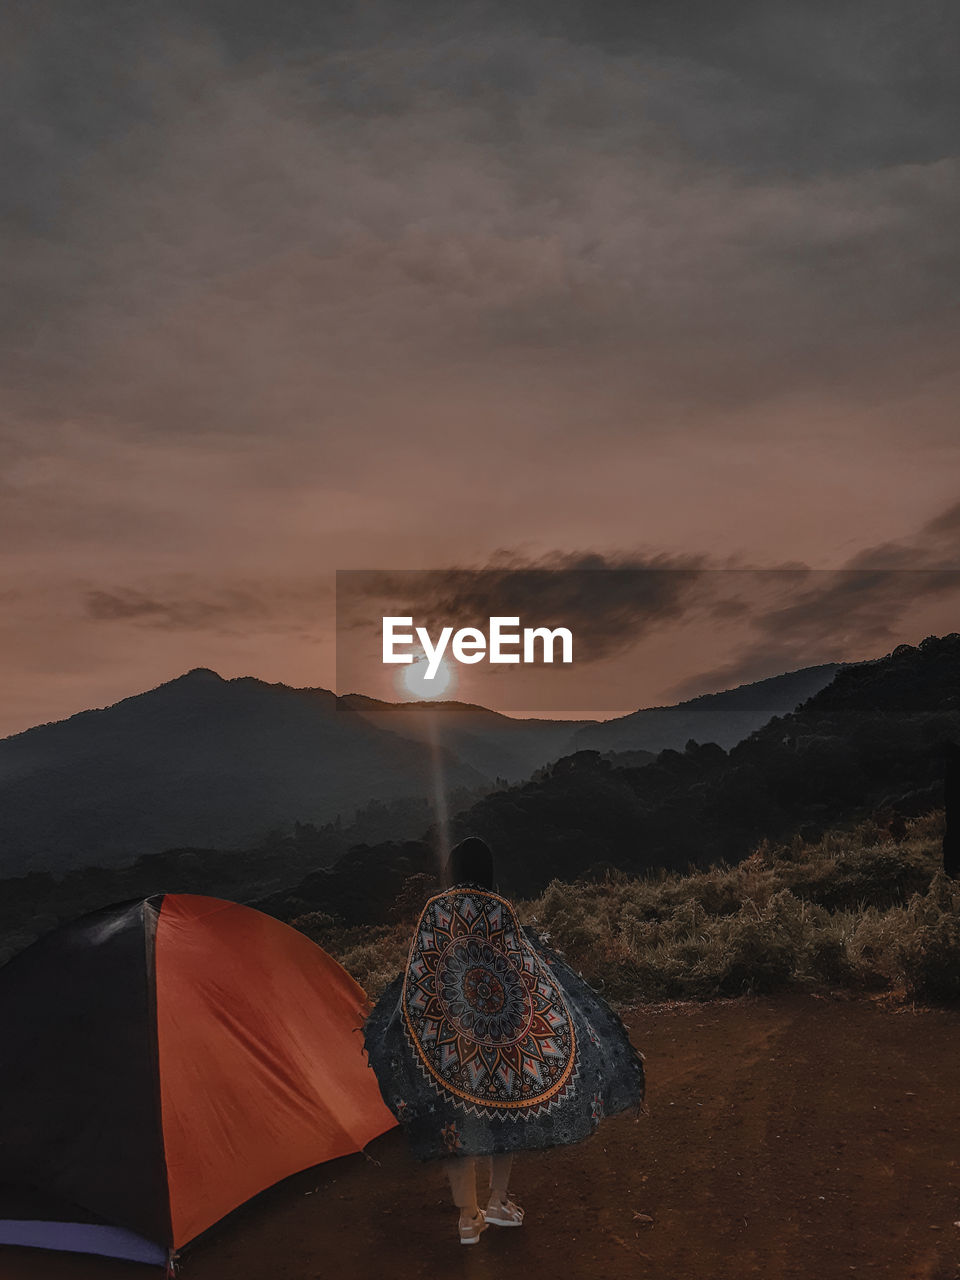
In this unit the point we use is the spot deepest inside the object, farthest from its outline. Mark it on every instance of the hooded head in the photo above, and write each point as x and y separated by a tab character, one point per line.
470	862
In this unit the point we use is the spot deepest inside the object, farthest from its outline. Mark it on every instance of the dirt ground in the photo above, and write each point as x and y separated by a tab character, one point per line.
789	1137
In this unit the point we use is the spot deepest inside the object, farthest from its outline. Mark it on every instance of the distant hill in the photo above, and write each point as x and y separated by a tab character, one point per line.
205	762
724	718
497	745
871	739
871	742
493	744
198	761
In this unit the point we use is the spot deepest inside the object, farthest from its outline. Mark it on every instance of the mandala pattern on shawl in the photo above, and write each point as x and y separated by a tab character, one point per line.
485	1018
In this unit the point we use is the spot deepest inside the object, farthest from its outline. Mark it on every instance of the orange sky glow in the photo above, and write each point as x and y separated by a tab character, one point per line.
550	283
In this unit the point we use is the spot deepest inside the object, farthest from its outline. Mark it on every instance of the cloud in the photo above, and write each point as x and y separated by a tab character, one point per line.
789	615
288	238
271	606
128	605
835	614
944	529
608	602
305	286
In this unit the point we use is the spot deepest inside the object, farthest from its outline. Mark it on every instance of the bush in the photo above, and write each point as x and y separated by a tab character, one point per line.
857	909
928	952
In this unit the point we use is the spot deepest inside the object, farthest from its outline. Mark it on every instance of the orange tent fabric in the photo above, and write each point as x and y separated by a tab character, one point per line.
260	1057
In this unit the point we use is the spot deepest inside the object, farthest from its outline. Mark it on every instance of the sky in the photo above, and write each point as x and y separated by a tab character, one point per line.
292	288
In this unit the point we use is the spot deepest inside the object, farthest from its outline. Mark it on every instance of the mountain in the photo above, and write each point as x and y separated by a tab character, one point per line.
499	746
198	761
203	762
725	718
872	739
493	744
871	743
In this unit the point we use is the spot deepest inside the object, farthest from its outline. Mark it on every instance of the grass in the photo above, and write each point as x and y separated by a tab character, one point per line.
859	910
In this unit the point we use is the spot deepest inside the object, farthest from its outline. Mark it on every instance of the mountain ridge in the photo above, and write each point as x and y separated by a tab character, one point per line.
205	761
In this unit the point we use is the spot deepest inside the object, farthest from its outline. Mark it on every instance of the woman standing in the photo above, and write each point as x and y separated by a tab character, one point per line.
487	1043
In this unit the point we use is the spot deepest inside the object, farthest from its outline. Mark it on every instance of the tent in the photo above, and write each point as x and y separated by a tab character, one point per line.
162	1061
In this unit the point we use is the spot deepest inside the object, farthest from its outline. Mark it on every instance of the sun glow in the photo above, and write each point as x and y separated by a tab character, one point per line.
413	679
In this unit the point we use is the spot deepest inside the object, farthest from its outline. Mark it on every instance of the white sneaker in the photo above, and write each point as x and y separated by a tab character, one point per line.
470	1230
504	1213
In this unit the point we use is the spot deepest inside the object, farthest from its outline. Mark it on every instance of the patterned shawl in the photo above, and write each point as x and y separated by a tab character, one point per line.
488	1042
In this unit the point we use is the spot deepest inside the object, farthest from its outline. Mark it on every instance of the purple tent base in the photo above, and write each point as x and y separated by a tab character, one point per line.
82	1237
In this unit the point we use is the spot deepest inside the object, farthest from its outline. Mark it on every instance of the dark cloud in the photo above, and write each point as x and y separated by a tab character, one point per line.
824	615
229	216
224	609
792	614
609	603
945	527
129	605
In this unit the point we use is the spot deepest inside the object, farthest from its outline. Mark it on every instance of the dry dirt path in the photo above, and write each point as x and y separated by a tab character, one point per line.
787	1137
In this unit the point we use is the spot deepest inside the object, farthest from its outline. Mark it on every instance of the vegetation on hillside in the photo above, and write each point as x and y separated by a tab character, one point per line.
874	740
806	854
33	904
864	910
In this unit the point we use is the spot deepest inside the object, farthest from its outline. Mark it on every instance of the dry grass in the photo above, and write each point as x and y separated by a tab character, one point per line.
858	910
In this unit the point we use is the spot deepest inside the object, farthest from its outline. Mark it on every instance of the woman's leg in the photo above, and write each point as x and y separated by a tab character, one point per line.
500	1209
500	1167
462	1172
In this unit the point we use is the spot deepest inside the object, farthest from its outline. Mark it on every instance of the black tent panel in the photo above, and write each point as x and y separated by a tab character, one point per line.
32	1219
79	1096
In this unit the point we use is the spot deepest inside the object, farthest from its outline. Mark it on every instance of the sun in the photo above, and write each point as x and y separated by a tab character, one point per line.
412	679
